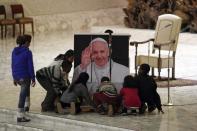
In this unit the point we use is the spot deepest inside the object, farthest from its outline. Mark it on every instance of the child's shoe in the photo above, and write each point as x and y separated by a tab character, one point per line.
101	110
133	112
26	109
124	113
142	109
160	110
151	109
23	119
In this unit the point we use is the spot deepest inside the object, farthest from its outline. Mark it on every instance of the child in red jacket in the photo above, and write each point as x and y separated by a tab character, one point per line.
129	94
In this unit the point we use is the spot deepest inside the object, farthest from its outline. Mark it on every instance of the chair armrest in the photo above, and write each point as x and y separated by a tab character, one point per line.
159	45
141	42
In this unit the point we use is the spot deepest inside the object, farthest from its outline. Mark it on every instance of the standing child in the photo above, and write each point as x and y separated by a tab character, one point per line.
23	74
148	90
129	94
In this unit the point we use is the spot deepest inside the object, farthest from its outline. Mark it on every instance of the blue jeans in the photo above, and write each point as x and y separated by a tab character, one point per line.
25	92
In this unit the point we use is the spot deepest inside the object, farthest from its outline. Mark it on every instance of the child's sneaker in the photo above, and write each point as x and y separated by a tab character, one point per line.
151	109
101	110
124	111
23	119
161	111
142	109
133	112
124	114
26	109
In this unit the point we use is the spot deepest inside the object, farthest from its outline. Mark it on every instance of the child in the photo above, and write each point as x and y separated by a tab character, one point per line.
54	80
106	94
23	74
129	94
148	90
76	93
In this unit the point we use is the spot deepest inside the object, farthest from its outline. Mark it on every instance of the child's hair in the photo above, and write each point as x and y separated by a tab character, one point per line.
83	78
66	66
145	68
129	82
27	38
22	39
104	78
69	53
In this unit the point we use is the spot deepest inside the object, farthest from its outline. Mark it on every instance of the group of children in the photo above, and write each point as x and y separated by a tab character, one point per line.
139	92
54	78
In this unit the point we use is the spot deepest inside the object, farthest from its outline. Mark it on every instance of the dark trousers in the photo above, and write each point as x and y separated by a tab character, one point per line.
77	106
152	100
25	92
48	102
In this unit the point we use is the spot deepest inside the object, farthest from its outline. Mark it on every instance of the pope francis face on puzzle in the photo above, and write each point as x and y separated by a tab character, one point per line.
96	62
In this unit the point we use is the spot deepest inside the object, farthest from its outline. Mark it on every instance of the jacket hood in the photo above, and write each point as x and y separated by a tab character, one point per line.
19	50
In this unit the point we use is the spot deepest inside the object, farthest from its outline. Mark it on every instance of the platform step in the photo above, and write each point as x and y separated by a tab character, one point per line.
41	122
12	127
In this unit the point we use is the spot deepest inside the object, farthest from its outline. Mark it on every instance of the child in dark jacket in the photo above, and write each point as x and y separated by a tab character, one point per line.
148	90
55	81
129	94
23	74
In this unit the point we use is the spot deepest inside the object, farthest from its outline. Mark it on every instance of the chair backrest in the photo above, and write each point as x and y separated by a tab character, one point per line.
2	11
168	29
17	9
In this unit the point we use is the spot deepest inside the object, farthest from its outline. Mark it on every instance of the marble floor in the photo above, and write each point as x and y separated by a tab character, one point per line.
180	117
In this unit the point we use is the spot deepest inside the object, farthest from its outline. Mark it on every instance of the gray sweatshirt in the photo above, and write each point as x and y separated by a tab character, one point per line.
79	90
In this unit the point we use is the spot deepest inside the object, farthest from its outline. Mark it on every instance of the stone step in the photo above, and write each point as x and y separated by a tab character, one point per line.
12	127
49	123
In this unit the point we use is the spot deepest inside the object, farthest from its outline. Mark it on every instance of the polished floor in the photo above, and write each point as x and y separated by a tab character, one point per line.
182	116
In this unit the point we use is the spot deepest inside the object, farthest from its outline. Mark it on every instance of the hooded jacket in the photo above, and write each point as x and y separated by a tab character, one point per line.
22	64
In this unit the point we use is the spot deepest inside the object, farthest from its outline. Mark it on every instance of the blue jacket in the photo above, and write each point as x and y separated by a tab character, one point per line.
22	64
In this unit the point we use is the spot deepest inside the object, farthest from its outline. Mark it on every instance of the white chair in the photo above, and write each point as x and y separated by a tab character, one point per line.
165	41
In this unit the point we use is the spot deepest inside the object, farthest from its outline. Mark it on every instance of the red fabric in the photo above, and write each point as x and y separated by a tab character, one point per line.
130	97
100	98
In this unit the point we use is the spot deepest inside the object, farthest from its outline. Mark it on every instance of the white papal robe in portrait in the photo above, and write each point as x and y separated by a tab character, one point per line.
118	72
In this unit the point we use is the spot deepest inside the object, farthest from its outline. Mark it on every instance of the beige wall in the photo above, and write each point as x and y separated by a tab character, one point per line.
48	7
70	15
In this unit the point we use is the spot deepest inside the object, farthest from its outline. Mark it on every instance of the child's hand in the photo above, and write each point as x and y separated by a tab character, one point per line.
15	83
33	83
